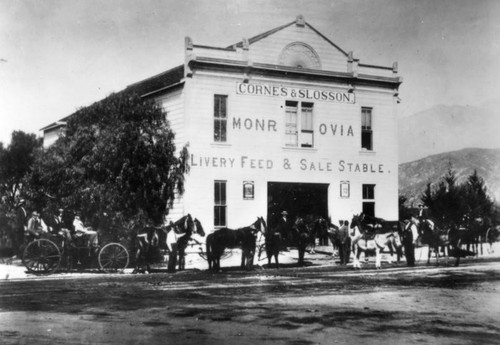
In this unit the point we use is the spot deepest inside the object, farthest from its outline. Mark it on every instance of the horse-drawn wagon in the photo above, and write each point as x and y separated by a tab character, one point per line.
46	254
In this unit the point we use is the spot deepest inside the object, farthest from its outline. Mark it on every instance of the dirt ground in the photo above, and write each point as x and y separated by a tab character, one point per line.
322	303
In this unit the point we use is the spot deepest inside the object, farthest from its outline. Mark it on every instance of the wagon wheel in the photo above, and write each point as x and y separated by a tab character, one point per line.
41	256
113	257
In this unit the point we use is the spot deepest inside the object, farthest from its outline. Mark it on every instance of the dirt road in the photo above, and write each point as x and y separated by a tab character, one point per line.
313	305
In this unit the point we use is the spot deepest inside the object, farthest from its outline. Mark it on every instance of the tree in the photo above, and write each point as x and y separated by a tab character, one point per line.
117	164
478	202
16	163
457	204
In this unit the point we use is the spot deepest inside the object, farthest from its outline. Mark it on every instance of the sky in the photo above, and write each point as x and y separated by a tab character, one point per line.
59	55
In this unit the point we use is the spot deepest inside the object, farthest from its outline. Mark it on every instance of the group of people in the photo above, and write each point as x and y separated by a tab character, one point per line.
410	237
38	228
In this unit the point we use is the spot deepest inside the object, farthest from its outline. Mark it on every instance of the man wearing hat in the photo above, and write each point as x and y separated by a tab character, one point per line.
284	228
422	212
60	227
35	225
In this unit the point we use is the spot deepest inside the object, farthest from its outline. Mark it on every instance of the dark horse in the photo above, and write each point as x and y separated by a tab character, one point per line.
174	237
300	237
273	244
244	238
430	235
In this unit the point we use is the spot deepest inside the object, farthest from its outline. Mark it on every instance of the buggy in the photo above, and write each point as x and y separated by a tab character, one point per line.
45	255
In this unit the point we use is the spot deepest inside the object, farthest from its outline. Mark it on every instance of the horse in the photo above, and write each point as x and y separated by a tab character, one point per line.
432	236
458	236
320	231
273	242
244	238
362	241
147	243
178	235
300	237
174	237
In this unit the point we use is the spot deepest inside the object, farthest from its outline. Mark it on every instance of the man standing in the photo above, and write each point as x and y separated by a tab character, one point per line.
409	240
284	228
344	242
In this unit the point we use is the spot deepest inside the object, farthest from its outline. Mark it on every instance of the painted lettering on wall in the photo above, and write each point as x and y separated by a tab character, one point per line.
264	125
286	164
292	92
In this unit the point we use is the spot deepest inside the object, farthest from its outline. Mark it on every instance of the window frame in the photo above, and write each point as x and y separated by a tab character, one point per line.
368	197
303	127
220	115
367	128
220	203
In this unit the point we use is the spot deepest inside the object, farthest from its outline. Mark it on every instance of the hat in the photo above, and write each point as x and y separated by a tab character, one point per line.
285	213
35	213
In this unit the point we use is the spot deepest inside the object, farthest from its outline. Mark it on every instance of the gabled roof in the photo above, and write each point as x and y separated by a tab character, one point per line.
158	82
143	88
279	28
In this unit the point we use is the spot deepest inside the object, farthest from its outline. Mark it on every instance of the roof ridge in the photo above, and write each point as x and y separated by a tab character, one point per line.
262	35
155	76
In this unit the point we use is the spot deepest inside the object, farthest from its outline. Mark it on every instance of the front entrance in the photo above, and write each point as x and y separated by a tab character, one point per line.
298	199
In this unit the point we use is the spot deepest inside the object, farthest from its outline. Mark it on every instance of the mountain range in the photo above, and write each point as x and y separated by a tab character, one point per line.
463	137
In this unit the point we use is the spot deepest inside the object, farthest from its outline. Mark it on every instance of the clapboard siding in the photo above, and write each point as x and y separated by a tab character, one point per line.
173	105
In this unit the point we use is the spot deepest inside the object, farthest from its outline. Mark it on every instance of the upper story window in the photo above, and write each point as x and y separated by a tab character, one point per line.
366	129
220	118
299	130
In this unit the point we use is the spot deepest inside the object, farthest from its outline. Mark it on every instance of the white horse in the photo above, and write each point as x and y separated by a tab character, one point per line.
363	243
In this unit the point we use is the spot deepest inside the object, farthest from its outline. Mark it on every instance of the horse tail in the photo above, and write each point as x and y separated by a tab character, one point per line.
209	246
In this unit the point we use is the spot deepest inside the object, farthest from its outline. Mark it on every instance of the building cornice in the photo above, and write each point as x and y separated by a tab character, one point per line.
247	69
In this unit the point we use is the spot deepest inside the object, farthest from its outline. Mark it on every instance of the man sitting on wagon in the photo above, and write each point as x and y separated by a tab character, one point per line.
36	226
81	230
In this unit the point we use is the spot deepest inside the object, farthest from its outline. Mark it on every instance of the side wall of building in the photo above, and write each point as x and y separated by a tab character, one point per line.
173	104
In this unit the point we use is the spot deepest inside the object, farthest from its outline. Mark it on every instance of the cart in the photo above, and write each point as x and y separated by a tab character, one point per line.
45	255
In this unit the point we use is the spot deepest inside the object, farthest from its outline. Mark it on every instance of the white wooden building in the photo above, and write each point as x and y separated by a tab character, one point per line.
286	120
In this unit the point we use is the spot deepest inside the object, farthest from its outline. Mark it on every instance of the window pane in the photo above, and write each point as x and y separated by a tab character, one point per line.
369	209
307	119
220	106
291	131
369	191
223	193
223	107
366	118
216	106
220	203
366	140
307	139
217	193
